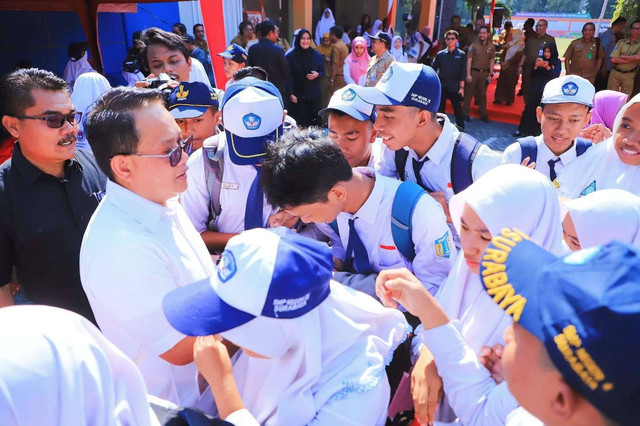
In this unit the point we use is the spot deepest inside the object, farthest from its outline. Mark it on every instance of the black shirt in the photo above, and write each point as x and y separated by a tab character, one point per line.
42	221
270	56
453	68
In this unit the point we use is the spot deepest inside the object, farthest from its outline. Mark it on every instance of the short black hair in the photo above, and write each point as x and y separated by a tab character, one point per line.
197	25
76	50
455	17
266	27
111	126
336	31
302	167
589	23
255	71
17	86
171	41
182	27
453	33
619	20
243	24
484	27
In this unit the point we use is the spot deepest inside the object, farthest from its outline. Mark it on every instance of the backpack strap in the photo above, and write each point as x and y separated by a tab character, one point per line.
401	157
582	145
404	203
464	152
529	149
213	170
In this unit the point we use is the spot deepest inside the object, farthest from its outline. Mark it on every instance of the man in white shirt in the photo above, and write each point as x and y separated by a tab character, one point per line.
565	109
139	244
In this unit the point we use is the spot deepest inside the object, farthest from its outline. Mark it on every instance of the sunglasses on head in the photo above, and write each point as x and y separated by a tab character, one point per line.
174	156
55	121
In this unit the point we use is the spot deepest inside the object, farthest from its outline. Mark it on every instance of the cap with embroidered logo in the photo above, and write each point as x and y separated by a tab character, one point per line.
584	308
346	100
405	84
252	115
236	53
569	89
382	36
273	273
190	100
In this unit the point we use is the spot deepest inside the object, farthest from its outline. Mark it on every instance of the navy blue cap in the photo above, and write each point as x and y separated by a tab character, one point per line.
405	84
382	36
190	100
188	38
236	53
584	308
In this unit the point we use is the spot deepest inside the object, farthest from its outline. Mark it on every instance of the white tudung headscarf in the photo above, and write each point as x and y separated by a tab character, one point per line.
602	216
198	73
324	25
56	368
74	69
600	167
340	347
508	196
377	26
397	53
86	90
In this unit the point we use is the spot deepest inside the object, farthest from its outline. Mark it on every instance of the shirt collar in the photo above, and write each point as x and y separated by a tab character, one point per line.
565	157
439	149
143	211
30	173
369	210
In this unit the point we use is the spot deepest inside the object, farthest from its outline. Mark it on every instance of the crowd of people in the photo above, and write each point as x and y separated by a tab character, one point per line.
218	257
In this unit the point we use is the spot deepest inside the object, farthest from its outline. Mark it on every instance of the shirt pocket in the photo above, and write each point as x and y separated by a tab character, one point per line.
389	257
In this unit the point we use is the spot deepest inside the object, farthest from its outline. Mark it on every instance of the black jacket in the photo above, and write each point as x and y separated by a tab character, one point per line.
270	56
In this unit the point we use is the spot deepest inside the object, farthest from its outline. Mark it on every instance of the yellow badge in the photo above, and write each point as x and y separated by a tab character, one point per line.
182	94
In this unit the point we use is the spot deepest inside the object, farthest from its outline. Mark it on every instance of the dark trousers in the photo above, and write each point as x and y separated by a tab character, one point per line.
456	102
306	111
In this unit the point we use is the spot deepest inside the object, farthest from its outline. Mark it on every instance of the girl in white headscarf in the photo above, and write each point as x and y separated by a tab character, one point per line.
87	89
377	26
78	63
56	368
613	163
602	216
396	49
324	25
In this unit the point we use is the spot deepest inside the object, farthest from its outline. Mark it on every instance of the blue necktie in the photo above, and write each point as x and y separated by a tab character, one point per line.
356	258
552	168
417	167
255	201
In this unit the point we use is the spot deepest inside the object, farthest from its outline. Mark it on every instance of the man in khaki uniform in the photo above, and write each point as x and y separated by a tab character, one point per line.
480	61
585	55
380	44
625	59
339	53
533	49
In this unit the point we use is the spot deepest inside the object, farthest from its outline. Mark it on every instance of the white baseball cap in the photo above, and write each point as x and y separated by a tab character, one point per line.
569	89
347	101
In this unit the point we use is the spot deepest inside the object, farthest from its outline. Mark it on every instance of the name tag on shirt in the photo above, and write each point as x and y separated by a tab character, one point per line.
230	186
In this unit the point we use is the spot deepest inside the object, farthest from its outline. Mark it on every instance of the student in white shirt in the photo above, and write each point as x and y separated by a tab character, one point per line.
139	244
195	109
565	109
613	163
309	177
602	216
570	357
350	122
313	351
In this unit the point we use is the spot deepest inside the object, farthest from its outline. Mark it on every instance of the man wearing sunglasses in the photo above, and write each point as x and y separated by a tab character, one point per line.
140	244
48	192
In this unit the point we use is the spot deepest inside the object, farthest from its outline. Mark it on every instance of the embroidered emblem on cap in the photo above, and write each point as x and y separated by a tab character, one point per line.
387	75
570	89
182	94
348	95
227	266
251	121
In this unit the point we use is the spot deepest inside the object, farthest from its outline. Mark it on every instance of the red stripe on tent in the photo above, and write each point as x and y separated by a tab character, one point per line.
213	19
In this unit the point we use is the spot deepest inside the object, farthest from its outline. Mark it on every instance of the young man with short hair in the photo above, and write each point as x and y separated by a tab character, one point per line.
269	56
339	52
195	109
565	109
234	58
451	64
480	61
201	42
309	177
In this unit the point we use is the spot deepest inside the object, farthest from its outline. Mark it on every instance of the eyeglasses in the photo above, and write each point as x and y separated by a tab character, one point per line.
55	121
175	155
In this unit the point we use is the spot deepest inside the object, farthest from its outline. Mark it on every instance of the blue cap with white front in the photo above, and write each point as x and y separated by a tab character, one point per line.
569	89
584	308
346	100
252	116
405	84
273	273
236	53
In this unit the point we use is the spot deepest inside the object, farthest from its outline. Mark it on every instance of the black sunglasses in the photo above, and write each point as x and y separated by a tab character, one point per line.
175	155
55	121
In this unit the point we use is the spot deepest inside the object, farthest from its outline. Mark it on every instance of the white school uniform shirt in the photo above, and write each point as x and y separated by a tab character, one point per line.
236	183
133	253
471	391
431	236
376	154
198	73
513	154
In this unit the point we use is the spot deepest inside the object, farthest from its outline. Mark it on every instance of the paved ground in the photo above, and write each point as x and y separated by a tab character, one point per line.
495	134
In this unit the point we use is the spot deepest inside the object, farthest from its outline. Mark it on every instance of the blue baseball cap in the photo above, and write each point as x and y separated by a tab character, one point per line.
584	308
236	53
252	115
346	100
273	273
190	100
405	84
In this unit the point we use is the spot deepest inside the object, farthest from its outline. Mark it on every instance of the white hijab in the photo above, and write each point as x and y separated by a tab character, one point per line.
74	69
86	90
342	346
602	216
600	167
377	26
56	368
397	53
508	196
324	25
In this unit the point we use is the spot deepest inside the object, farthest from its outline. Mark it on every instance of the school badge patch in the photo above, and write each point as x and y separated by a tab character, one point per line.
589	189
442	246
251	121
348	95
227	266
570	89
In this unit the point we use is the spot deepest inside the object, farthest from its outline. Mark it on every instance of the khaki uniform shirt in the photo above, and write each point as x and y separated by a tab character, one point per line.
534	46
377	67
339	53
584	58
625	48
481	55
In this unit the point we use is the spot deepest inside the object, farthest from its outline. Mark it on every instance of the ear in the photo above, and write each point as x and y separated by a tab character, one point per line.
11	124
587	120
189	62
424	118
338	192
121	168
539	114
565	402
372	139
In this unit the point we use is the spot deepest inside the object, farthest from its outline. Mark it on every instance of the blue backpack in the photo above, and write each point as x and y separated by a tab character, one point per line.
404	203
464	152
529	148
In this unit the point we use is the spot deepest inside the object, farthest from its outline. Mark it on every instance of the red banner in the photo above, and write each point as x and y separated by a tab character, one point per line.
213	17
